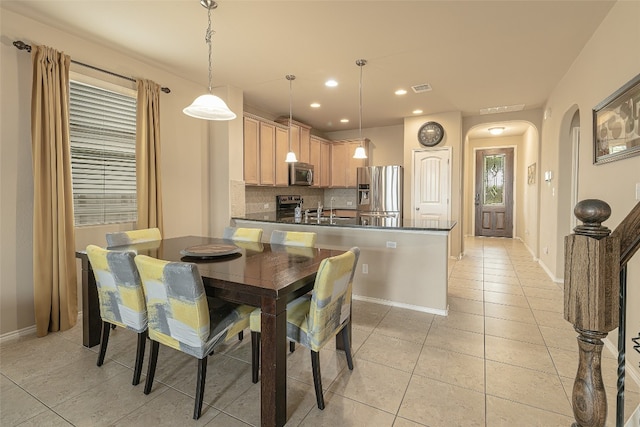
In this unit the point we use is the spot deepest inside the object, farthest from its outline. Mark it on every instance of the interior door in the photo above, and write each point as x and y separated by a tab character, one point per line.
494	192
431	188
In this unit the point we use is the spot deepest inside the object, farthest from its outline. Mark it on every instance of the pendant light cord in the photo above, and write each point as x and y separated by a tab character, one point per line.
361	63
291	78
207	38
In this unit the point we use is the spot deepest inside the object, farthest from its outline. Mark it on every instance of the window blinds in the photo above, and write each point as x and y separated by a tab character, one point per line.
103	155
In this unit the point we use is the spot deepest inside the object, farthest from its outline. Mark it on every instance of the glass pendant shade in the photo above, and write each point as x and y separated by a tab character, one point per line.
209	107
291	157
360	153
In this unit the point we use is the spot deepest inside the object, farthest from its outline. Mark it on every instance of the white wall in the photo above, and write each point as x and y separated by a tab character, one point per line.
185	156
608	61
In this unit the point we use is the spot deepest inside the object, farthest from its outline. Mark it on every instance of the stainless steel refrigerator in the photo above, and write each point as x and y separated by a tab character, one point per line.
380	196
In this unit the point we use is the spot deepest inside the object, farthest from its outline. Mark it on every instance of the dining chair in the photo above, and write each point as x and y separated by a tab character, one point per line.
242	234
312	320
182	317
123	238
121	299
293	238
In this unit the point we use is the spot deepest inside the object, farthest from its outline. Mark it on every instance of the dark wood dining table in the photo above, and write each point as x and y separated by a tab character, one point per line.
259	274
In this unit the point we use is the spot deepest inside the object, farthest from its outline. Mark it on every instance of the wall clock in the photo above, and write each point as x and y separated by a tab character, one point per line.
430	134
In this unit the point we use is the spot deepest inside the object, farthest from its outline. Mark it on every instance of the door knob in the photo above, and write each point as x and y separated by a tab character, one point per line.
477	201
417	209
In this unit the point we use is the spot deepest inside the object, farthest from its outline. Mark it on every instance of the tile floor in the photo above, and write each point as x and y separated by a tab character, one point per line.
503	357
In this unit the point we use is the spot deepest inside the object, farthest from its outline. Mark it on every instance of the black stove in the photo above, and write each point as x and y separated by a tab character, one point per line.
286	205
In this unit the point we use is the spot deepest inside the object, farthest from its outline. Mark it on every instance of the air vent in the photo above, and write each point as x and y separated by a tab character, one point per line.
503	109
426	87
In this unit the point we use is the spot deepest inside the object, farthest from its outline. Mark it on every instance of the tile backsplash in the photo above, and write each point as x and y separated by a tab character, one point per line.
263	199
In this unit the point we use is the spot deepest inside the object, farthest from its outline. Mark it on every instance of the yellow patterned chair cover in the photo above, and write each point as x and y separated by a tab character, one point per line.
123	238
121	298
182	317
313	320
242	234
293	238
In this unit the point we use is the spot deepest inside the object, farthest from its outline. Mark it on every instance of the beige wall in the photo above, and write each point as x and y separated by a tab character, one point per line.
185	156
607	62
385	143
452	124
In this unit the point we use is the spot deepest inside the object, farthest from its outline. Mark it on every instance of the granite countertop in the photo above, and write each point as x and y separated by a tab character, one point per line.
407	223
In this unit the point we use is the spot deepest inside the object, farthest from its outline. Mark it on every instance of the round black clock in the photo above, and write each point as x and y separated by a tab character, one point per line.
430	134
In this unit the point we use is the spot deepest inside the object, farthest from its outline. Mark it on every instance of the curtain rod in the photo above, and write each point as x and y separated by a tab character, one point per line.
23	46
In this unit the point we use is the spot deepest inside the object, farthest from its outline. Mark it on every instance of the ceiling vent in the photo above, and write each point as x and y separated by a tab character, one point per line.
503	109
426	87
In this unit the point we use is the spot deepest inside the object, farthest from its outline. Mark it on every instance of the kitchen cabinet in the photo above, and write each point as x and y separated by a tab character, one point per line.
319	157
251	151
343	165
266	144
300	138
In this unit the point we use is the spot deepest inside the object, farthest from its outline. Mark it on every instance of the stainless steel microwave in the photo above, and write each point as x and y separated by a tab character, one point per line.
300	174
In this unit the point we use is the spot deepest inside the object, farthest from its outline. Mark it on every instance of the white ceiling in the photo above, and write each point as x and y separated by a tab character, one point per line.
475	54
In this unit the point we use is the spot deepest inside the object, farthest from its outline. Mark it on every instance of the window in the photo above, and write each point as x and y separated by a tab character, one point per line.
103	155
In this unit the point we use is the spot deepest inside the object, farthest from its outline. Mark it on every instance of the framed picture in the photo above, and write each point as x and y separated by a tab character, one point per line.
616	124
531	174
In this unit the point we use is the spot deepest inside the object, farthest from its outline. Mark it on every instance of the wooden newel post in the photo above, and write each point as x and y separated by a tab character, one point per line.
591	287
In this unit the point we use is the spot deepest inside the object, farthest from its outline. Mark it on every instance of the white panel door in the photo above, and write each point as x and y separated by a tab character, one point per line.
431	184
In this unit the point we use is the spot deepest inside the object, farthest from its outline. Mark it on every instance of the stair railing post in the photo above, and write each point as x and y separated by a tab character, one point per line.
591	289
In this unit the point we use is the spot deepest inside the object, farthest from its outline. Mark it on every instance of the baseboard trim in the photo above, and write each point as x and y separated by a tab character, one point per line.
549	273
11	336
402	305
630	370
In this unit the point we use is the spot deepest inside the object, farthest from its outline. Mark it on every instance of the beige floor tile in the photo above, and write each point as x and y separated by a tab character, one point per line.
57	385
552	319
525	355
466	305
555	305
507	312
553	294
435	404
411	328
389	351
454	368
365	382
518	384
506	299
301	398
367	315
412	315
224	420
170	408
106	403
465	293
475	269
519	331
332	362
504	288
459	320
560	338
16	404
505	272
456	340
403	422
465	283
341	411
506	413
507	280
47	418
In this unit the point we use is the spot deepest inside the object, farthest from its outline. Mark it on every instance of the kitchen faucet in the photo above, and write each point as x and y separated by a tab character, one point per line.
331	210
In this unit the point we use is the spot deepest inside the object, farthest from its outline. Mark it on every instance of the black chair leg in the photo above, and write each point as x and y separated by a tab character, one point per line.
106	327
240	335
137	371
151	369
202	376
347	346
292	346
255	355
317	380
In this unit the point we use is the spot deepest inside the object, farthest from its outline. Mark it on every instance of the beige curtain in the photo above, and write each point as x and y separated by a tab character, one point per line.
54	266
149	188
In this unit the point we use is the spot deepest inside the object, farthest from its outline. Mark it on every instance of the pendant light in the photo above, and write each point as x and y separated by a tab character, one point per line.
291	156
360	152
209	106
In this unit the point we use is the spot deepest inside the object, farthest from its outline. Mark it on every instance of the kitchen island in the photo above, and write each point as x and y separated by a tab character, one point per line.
405	266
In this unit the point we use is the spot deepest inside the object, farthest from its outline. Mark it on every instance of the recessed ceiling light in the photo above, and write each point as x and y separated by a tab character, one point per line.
344	120
496	130
315	105
400	92
417	111
331	83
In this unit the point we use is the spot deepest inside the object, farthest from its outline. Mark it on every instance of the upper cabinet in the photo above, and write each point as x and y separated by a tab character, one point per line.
320	159
265	148
300	138
343	165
